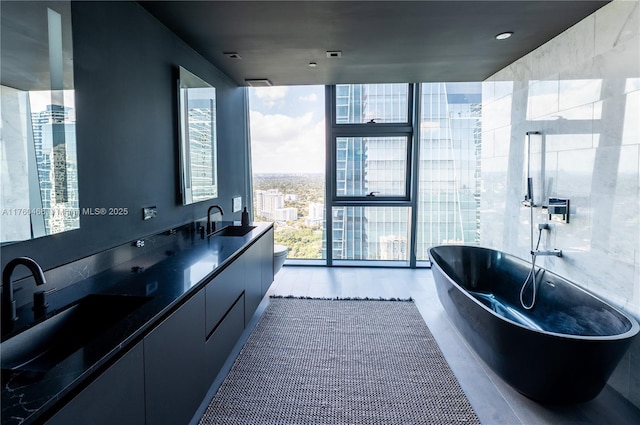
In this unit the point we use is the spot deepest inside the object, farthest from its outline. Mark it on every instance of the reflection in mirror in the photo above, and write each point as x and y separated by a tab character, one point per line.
39	179
198	161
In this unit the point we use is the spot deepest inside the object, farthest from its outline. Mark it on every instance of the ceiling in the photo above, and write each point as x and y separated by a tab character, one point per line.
380	41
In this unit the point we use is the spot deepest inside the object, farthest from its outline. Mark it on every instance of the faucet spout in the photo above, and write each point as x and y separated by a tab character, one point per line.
211	225
8	303
553	253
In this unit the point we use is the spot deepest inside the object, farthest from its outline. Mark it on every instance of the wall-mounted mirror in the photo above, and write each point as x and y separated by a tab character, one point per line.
198	157
38	166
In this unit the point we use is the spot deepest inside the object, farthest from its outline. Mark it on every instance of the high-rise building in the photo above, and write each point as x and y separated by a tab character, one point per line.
268	202
286	214
449	175
316	214
202	149
54	139
448	190
370	166
393	247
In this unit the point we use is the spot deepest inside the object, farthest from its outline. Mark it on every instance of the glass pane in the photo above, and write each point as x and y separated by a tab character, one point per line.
198	138
361	103
287	147
367	165
39	165
449	183
371	233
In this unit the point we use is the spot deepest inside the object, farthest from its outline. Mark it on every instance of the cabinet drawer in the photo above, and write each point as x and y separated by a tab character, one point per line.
222	340
115	397
174	358
222	292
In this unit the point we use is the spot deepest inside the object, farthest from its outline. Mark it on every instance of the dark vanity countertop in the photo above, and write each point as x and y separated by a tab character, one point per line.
26	396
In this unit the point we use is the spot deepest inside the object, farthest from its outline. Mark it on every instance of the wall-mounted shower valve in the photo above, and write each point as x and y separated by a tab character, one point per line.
558	210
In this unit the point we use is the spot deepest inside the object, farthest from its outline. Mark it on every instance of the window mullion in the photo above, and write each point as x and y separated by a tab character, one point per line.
362	153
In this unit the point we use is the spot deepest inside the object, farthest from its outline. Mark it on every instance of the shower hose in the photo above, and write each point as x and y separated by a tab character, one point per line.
531	276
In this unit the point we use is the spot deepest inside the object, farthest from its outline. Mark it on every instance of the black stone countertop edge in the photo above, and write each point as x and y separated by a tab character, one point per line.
28	397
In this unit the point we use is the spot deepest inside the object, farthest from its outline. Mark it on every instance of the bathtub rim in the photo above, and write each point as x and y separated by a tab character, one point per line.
630	333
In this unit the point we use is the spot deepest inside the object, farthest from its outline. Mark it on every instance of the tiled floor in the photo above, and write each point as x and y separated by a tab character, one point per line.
494	402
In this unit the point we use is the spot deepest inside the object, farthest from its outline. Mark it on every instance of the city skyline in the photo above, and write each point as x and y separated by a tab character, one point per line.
448	193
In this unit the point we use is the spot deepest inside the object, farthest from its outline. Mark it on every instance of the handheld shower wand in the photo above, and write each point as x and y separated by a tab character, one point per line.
528	197
528	202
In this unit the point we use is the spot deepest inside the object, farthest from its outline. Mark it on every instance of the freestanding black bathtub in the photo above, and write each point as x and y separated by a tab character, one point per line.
562	351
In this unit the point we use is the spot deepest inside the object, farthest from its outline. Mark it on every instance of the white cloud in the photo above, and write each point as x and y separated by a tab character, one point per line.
271	96
285	144
311	97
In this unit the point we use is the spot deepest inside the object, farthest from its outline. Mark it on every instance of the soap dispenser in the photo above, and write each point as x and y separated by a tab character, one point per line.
245	217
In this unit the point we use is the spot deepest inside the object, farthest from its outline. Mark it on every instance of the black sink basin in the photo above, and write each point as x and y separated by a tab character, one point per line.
41	347
234	231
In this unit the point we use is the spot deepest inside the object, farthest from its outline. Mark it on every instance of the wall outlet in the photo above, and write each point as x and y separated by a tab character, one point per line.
236	204
149	213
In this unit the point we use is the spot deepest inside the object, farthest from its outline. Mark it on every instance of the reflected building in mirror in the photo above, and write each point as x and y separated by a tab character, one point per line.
54	134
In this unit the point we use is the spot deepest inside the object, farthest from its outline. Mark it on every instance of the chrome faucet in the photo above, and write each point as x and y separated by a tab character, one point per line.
554	253
8	303
211	225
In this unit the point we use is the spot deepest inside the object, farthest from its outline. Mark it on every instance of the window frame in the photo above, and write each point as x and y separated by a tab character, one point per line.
333	130
409	106
337	130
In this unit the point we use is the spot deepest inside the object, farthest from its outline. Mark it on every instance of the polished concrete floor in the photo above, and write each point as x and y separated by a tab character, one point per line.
495	402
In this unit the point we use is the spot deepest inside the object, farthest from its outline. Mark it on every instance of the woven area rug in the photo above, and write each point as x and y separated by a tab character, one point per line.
340	362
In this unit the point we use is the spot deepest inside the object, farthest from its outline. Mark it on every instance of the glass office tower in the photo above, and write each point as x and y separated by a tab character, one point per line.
376	166
54	139
371	167
449	169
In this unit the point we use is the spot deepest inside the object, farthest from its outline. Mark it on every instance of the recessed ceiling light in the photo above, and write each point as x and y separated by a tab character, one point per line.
504	35
312	64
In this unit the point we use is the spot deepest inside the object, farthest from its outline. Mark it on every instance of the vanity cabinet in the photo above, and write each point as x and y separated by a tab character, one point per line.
114	397
253	280
223	338
232	299
266	262
223	291
164	378
225	303
174	361
259	272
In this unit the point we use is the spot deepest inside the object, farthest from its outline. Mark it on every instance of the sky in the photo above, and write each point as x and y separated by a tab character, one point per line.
287	129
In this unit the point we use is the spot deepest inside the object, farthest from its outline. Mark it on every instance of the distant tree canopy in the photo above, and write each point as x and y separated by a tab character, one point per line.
308	187
302	243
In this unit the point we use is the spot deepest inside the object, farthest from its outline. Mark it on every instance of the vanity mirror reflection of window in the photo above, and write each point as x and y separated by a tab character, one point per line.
198	153
38	177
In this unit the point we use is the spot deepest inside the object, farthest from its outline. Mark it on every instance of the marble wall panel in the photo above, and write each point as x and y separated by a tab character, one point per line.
499	113
631	122
578	92
581	90
14	175
502	141
542	98
614	24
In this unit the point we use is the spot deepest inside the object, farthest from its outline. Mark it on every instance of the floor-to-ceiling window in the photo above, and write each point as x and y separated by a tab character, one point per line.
288	165
369	172
448	196
401	173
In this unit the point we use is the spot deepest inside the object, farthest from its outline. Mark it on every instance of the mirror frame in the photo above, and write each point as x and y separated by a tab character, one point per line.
197	117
